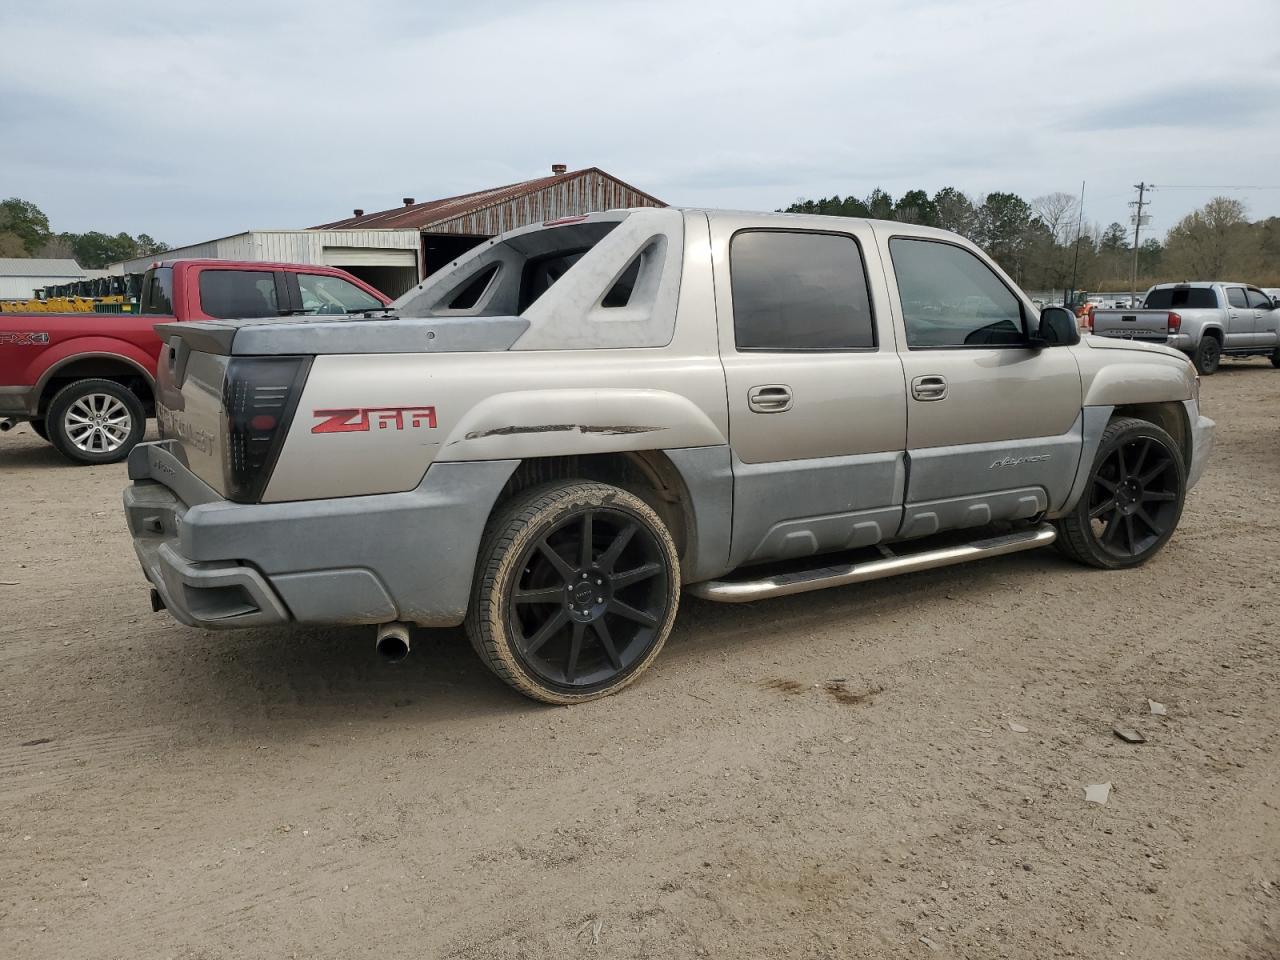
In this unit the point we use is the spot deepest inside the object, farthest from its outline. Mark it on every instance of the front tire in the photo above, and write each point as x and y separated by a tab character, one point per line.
1275	355
1208	355
1133	500
576	588
95	421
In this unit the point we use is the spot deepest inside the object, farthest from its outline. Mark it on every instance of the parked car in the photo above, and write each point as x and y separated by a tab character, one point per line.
1206	320
554	434
85	381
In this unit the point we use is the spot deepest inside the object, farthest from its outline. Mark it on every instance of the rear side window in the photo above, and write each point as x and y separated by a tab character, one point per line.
1235	297
232	294
1188	298
332	295
157	292
799	291
950	298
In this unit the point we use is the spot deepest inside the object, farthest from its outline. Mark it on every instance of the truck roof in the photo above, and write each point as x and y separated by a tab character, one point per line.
1201	284
244	264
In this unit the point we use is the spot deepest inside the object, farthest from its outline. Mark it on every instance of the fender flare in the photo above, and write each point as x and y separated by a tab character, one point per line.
96	348
1129	382
549	423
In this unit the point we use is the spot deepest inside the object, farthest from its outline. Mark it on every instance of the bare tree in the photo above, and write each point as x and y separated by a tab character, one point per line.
1060	213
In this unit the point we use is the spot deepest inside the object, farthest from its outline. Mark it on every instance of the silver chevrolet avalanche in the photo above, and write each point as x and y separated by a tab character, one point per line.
552	436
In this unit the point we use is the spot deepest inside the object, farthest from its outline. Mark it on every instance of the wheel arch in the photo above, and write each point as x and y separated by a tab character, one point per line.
96	365
690	490
1170	416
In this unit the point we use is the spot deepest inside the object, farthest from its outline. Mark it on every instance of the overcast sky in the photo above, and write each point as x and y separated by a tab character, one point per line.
189	122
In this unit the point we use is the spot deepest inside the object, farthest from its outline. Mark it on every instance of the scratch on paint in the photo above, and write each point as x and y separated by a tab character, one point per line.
559	428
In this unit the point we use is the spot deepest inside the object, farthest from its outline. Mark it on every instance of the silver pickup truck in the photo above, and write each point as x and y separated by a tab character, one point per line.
1207	321
552	436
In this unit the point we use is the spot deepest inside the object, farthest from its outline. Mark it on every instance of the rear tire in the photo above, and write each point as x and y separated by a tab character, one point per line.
1133	500
39	429
1275	354
1208	355
95	421
576	588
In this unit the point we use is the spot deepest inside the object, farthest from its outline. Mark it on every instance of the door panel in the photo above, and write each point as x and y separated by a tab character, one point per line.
1240	322
993	431
817	433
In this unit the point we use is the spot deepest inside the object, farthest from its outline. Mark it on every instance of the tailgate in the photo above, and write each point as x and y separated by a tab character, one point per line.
225	415
1149	325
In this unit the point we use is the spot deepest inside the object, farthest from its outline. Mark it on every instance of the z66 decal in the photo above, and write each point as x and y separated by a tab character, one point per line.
362	419
24	339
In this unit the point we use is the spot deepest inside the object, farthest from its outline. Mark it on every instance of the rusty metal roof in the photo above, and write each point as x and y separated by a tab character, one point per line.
423	216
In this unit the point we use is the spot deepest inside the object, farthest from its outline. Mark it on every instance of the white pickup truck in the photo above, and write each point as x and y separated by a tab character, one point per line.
1205	320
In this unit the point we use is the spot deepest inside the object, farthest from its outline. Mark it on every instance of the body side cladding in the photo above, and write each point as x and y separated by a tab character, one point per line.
707	474
1094	421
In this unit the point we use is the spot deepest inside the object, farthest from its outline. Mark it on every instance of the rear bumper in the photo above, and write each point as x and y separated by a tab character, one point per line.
18	403
219	565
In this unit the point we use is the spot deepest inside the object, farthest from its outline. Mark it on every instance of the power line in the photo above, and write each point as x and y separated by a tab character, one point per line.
1218	186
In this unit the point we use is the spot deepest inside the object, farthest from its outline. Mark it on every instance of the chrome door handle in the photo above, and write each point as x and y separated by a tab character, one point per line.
770	398
929	388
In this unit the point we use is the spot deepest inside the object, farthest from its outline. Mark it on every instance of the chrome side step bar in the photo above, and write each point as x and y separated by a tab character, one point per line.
743	591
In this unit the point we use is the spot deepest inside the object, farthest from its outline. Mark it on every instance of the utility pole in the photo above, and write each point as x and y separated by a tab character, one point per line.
1142	189
1075	263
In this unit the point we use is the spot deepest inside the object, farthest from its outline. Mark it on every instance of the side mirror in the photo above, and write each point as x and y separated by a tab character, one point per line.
1057	327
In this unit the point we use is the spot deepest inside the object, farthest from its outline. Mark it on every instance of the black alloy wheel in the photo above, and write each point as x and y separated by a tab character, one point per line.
576	590
1133	500
590	598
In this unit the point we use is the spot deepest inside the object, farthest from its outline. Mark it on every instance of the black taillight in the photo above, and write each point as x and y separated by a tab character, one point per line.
258	400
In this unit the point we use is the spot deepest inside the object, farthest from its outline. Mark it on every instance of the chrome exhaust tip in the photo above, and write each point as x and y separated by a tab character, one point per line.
6	425
393	641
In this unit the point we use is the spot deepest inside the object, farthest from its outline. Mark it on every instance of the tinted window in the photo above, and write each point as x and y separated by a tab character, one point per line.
333	295
1235	297
469	295
1189	298
230	294
1258	299
157	291
950	298
799	291
541	273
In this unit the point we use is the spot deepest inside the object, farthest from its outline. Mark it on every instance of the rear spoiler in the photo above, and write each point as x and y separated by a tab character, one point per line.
315	336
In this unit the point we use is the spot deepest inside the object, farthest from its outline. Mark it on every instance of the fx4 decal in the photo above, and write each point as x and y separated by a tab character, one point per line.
24	339
361	419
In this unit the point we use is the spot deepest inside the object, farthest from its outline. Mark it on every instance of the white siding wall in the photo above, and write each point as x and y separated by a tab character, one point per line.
288	246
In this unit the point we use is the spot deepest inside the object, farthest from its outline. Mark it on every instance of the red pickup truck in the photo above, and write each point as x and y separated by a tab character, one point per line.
85	381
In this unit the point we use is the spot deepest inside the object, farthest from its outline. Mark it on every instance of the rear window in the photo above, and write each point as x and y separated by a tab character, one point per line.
232	294
799	291
1188	298
157	292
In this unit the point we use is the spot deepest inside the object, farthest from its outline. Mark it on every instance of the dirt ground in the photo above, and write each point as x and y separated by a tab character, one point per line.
830	775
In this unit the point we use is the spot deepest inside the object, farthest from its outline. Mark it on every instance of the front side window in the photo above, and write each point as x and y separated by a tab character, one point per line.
235	294
799	291
1258	300
332	295
950	298
1235	297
